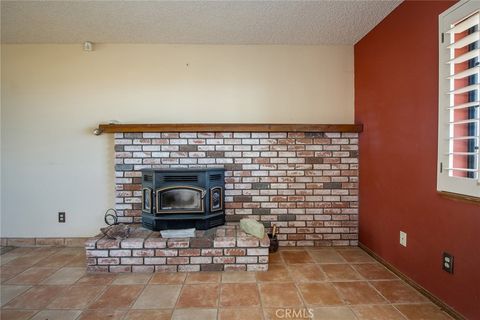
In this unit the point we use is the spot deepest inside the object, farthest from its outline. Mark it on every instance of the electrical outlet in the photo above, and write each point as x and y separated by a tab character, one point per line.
61	217
403	238
447	263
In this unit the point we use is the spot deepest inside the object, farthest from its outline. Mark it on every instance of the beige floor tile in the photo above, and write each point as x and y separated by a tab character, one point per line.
319	294
8	272
240	314
32	276
340	272
118	297
279	295
66	275
158	296
24	261
275	258
326	256
168	278
239	295
358	292
296	256
197	314
7	258
238	277
398	292
275	273
16	314
22	251
355	255
199	296
132	278
47	251
373	271
76	297
72	250
101	279
306	272
57	315
8	292
148	315
77	261
37	297
377	312
333	313
58	259
203	277
25	256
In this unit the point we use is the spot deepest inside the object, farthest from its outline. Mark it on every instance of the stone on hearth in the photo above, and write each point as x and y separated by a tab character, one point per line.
253	227
118	231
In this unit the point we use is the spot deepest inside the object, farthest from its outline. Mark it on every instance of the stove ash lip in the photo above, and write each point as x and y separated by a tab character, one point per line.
204	187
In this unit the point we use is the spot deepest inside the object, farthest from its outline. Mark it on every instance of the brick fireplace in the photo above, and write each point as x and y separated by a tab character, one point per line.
304	182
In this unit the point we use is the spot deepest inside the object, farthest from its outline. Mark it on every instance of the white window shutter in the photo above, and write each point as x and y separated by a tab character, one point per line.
459	89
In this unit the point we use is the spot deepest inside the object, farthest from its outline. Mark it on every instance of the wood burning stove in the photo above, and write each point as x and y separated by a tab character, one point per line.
183	198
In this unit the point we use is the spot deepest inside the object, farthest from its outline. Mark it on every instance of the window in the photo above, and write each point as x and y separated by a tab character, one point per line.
459	114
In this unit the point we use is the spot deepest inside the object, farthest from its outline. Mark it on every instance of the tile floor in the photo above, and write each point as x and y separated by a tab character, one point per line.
302	283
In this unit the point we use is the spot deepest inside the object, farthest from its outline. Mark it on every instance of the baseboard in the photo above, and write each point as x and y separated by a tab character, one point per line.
43	242
452	312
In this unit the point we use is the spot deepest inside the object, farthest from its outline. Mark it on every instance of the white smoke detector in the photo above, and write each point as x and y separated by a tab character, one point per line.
87	46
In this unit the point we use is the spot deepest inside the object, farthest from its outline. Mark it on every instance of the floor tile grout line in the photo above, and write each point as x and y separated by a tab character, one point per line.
58	252
400	312
395	277
17	296
299	293
219	296
136	298
378	291
19	274
88	303
33	315
353	312
95	299
24	255
403	283
179	294
262	308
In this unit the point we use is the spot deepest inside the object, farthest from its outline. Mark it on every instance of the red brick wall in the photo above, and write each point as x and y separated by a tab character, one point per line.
305	183
396	98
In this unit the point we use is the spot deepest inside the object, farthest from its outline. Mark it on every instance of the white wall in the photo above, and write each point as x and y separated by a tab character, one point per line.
54	95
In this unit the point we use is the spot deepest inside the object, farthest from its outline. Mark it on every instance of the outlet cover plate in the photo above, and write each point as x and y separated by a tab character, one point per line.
61	217
447	263
403	238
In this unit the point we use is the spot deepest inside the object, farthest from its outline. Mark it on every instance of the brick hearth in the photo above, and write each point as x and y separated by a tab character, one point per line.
224	248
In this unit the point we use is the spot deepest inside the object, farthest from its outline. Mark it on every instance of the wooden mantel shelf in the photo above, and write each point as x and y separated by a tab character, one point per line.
228	127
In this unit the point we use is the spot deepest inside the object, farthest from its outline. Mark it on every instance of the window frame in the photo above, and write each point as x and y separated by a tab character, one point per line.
469	187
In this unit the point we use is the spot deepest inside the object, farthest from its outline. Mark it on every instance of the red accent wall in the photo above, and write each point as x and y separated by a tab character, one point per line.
396	97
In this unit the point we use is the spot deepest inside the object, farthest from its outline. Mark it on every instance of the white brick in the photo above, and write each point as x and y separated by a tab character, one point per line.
257	267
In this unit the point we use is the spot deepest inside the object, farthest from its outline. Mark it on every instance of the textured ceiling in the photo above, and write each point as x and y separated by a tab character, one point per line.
192	22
